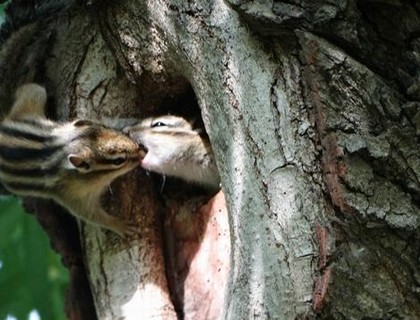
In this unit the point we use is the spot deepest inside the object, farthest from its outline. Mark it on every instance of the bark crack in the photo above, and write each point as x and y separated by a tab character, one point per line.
74	85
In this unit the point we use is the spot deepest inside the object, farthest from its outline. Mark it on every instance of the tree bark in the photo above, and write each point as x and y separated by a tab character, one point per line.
313	112
127	278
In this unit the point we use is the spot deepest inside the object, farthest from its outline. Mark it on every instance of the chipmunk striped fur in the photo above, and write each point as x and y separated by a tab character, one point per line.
71	162
175	149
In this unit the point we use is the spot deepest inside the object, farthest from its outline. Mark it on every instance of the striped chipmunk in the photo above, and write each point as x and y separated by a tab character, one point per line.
70	162
175	149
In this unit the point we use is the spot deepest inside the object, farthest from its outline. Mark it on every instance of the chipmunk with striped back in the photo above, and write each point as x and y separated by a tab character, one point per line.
71	162
175	149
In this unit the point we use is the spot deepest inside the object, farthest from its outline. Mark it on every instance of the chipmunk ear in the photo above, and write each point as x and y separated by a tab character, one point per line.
82	122
79	162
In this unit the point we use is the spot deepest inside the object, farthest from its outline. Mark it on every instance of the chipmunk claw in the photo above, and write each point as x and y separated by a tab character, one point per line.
130	229
125	228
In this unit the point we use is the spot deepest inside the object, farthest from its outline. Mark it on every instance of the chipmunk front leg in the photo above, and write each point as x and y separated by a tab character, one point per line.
87	207
98	216
120	226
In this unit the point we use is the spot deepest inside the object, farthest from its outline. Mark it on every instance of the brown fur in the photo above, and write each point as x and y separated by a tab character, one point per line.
72	162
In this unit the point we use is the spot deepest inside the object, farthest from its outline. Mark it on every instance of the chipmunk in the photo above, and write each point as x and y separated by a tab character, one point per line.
175	149
71	162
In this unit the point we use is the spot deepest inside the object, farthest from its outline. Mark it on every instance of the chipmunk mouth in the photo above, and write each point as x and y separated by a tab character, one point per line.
143	151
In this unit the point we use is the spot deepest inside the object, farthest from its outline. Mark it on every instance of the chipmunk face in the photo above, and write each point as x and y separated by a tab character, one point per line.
100	149
174	148
166	139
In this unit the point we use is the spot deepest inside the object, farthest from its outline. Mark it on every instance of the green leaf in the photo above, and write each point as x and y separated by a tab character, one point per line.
2	6
31	275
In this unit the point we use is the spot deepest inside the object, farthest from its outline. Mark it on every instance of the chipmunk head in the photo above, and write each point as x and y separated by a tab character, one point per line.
166	140
174	148
100	149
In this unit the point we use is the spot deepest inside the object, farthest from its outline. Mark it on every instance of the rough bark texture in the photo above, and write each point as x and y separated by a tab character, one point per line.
312	108
126	277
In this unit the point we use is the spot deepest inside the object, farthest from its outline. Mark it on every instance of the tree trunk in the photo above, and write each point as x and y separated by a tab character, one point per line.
312	109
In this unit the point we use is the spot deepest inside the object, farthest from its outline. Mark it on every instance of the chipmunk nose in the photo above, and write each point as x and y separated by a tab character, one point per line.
143	150
142	154
140	151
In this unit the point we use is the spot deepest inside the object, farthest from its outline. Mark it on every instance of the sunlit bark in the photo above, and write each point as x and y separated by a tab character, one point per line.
313	113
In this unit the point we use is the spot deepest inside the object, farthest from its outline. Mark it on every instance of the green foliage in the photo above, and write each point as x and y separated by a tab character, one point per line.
1	13
2	6
31	275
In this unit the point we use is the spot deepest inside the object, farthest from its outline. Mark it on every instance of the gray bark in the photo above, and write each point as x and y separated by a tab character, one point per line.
317	151
127	277
312	108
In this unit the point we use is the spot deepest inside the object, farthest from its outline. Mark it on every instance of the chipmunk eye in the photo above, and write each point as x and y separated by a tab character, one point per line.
117	161
158	124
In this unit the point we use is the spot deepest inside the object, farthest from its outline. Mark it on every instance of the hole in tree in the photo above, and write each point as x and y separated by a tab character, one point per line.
189	220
